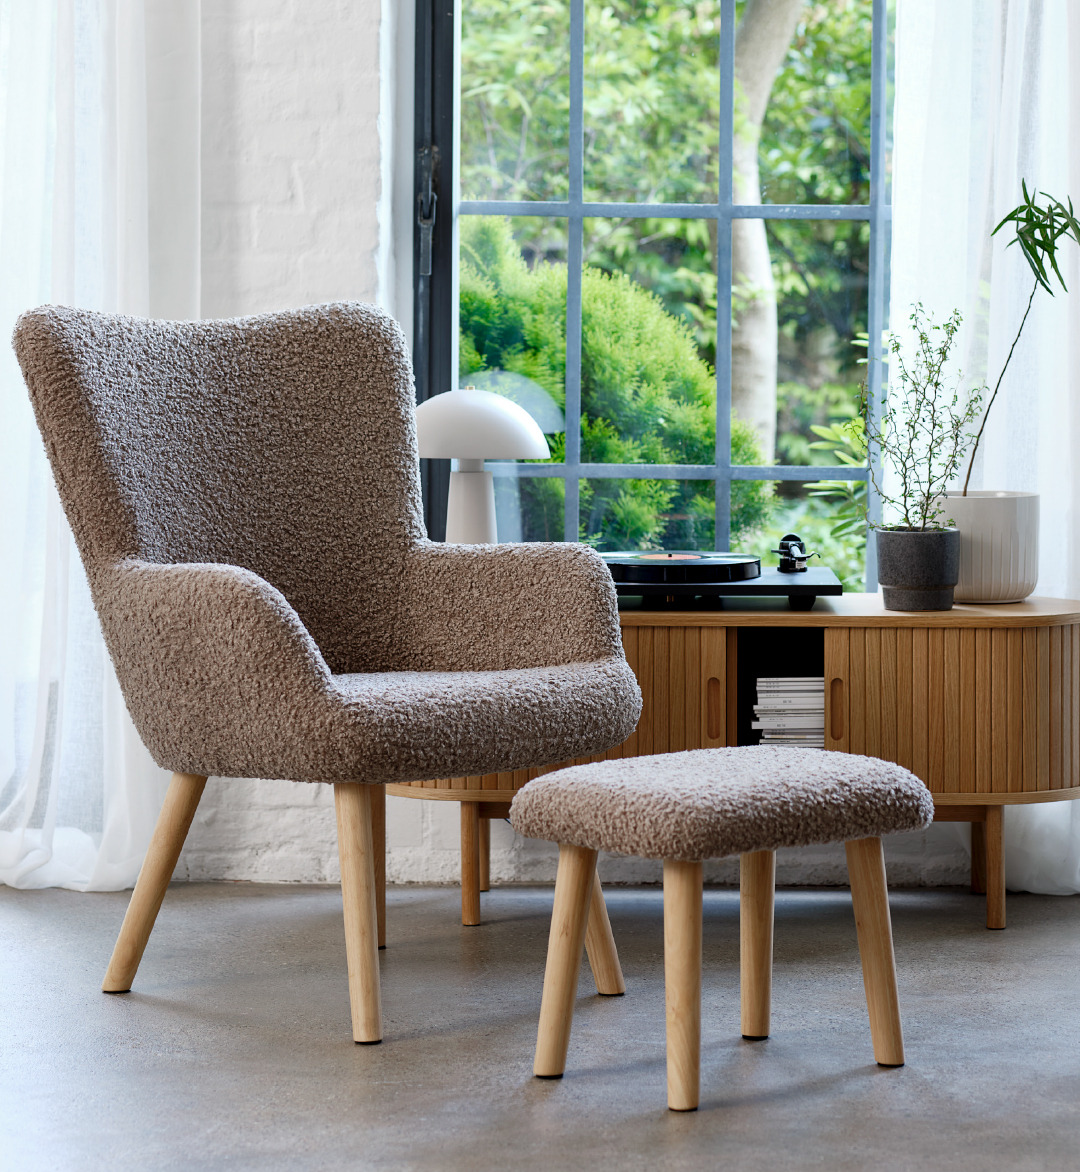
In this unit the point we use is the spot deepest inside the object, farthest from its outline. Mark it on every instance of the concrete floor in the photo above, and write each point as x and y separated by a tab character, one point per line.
234	1051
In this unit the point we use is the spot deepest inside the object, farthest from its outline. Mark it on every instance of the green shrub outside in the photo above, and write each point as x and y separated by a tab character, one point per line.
646	396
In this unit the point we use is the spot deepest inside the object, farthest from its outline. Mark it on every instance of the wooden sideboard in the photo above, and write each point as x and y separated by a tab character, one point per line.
981	702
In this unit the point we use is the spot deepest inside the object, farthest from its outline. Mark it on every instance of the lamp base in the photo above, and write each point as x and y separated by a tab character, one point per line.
470	507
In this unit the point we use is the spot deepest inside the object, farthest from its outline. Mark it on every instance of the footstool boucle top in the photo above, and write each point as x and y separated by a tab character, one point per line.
707	803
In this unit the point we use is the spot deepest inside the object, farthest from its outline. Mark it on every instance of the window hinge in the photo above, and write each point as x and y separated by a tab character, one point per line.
425	204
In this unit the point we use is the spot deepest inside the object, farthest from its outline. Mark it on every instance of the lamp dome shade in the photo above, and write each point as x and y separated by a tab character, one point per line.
477	425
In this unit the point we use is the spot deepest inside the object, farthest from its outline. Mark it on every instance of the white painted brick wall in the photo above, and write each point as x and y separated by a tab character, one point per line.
294	178
291	159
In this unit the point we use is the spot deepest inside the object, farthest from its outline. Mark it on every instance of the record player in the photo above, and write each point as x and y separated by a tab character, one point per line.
691	577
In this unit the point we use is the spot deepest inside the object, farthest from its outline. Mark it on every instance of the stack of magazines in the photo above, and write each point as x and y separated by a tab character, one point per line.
790	710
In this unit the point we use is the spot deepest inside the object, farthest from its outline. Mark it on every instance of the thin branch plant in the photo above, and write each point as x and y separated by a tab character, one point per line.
1039	228
925	428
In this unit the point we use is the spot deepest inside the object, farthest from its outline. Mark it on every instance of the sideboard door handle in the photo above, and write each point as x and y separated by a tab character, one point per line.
714	717
836	709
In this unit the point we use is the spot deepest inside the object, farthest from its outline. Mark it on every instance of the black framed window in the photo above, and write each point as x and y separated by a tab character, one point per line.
664	258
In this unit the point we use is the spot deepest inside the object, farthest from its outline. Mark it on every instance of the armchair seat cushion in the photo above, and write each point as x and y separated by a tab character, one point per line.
412	726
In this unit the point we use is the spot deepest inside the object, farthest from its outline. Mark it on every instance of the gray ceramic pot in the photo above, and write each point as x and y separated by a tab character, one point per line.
918	568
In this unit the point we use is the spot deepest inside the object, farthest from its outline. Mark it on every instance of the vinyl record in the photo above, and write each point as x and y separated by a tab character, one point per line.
660	566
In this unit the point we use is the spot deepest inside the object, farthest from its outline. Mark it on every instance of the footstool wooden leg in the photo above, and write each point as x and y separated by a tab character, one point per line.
470	864
600	947
682	982
870	900
757	885
573	889
995	866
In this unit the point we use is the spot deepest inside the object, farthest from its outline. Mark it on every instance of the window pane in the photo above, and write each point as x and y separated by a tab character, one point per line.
530	508
647	514
626	514
648	387
799	302
814	144
512	321
826	518
652	101
515	99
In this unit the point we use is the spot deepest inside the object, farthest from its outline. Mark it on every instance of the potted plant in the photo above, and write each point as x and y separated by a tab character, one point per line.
917	443
999	548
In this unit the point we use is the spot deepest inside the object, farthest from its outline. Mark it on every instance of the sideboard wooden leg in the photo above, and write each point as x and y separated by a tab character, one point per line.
995	866
485	853
978	858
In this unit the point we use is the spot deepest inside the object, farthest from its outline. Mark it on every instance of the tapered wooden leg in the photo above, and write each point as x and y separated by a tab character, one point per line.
573	890
174	821
978	858
600	947
470	864
378	851
682	982
485	854
757	885
870	899
356	851
995	866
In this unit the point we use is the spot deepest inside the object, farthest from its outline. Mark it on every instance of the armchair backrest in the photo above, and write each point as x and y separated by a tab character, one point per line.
283	443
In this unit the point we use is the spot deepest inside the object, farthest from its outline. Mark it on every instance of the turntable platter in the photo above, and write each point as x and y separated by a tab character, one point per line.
681	566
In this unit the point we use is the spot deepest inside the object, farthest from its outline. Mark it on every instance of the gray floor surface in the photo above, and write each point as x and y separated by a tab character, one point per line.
234	1050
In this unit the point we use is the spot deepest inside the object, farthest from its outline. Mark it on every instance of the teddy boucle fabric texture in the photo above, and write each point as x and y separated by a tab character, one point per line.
245	495
708	803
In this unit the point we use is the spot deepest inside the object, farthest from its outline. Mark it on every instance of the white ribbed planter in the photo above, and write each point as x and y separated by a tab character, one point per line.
999	544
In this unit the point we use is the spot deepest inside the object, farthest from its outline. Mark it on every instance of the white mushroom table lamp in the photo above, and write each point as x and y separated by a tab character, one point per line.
470	426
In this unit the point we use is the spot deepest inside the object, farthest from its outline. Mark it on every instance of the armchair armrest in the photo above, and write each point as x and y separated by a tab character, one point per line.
493	607
217	669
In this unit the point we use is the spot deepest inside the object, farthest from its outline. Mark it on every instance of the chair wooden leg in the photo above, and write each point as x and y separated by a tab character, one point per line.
600	947
485	854
174	821
870	900
573	889
682	982
757	885
470	864
378	854
353	804
995	866
978	858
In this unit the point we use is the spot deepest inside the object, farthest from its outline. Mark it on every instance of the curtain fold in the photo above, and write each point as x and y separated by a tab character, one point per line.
988	94
99	207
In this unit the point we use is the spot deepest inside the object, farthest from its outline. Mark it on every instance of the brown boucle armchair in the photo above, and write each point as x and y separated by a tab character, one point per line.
245	495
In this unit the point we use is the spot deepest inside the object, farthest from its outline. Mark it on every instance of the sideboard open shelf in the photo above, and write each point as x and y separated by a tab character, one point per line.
981	702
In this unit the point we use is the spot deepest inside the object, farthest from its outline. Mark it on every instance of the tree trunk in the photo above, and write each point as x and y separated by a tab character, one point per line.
762	39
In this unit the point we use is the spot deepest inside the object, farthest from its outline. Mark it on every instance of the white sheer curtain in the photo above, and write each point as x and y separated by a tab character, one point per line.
988	94
99	207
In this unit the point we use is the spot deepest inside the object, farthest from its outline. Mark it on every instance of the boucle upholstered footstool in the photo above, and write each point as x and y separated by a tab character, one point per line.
704	804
